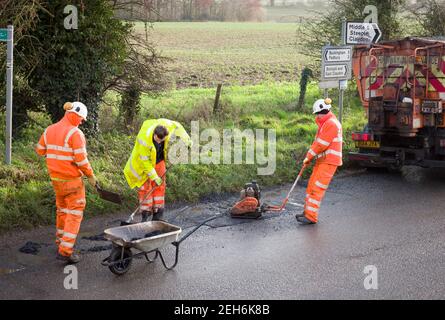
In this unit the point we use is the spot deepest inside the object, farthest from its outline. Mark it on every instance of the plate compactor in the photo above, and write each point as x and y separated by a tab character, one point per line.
249	205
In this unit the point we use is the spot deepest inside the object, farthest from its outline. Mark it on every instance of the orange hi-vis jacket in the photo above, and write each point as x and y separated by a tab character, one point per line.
328	144
64	146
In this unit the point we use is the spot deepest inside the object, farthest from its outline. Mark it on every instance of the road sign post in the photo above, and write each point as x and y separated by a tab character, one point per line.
336	70
7	35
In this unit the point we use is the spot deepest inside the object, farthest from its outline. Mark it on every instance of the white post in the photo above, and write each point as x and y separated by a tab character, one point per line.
342	83
9	88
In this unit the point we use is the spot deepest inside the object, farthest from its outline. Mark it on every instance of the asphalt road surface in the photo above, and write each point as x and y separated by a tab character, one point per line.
394	222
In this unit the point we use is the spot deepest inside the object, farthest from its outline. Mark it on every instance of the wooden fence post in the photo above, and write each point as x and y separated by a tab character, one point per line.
218	95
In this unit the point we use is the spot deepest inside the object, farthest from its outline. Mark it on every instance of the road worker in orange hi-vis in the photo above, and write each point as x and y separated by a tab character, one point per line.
64	146
327	150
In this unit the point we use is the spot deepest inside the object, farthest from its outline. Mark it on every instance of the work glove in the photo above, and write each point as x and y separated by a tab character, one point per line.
158	181
306	162
92	181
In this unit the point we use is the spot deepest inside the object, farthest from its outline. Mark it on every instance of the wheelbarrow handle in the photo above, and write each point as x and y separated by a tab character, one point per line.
177	243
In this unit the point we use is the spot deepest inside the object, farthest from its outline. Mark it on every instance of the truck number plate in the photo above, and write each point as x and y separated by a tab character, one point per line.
367	144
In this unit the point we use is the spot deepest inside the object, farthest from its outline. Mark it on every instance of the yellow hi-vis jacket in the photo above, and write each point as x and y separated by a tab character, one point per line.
141	165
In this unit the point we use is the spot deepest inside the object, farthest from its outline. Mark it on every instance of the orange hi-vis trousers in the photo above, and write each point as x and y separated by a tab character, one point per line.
321	177
70	203
157	197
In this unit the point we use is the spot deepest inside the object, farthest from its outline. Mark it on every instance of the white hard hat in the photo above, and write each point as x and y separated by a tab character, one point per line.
77	107
322	104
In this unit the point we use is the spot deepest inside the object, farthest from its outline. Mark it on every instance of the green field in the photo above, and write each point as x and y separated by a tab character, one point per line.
207	53
258	65
27	197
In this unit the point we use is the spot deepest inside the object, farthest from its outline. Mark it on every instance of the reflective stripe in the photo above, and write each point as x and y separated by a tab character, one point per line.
70	133
39	146
81	150
44	136
314	201
57	157
312	152
142	142
82	163
335	153
321	141
58	148
60	231
338	139
158	198
152	173
312	209
70	235
149	130
147	202
134	171
64	180
146	208
67	244
330	151
320	185
75	212
336	122
80	201
144	158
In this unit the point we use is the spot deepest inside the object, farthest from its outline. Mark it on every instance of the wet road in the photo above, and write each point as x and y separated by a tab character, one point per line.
395	222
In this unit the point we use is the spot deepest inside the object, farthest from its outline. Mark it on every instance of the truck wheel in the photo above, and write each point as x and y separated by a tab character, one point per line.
395	169
122	267
377	169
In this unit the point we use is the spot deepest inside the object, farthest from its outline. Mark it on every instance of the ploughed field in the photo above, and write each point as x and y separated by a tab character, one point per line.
206	53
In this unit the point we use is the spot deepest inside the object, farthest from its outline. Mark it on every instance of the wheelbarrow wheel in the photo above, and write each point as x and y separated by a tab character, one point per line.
120	268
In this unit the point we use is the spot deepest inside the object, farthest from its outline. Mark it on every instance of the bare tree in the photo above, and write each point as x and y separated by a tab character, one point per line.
430	15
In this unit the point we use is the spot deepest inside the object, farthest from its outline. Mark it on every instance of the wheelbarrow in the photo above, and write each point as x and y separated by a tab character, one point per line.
142	239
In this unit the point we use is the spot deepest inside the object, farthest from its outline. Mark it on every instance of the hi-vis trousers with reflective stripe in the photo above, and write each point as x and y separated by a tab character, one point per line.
321	177
70	203
156	199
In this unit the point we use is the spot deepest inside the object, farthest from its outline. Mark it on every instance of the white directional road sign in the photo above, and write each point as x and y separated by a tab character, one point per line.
362	33
336	64
338	54
335	71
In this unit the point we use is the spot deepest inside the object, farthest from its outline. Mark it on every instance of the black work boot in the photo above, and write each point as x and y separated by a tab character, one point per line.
72	259
158	215
145	216
301	218
300	215
304	221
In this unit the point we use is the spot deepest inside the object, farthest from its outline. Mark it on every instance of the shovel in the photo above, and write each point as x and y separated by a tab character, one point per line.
131	218
108	195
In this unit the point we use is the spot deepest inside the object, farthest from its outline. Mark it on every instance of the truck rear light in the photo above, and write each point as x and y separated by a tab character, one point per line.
362	136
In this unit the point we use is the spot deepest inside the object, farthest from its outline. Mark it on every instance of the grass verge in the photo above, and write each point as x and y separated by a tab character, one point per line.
26	194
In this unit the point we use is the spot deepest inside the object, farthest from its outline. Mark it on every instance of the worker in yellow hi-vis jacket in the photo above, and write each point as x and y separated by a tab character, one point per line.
146	166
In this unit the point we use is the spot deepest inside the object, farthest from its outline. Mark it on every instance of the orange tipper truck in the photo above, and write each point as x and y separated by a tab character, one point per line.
402	87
